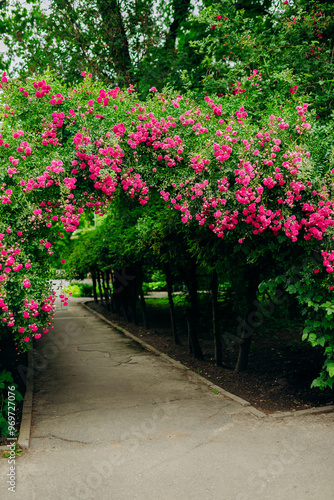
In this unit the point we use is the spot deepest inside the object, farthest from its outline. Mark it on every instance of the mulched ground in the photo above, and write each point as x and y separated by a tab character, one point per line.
281	366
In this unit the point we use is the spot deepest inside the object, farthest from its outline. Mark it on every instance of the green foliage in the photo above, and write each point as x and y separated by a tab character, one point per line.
6	380
154	286
166	43
151	236
317	306
17	450
180	302
77	289
118	42
290	45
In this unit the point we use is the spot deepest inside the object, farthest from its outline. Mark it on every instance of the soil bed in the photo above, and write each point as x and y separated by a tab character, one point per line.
280	371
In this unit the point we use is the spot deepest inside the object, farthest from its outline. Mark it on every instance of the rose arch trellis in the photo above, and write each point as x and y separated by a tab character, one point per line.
64	151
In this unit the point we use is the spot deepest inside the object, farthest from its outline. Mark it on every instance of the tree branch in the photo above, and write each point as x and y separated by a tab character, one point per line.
181	9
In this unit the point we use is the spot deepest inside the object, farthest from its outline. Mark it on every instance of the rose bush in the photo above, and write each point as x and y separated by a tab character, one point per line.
247	179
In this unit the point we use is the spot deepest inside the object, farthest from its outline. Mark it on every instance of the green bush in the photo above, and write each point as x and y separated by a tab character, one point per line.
77	289
157	286
6	380
87	290
154	286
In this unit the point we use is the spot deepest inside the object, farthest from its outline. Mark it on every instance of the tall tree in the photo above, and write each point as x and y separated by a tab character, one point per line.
113	39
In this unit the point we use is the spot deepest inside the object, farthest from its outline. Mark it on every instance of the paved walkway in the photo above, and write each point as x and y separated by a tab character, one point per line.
112	421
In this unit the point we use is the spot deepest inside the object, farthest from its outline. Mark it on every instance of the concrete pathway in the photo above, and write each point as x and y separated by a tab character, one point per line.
113	421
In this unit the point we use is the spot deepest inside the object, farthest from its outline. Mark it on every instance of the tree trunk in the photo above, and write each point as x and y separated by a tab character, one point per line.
94	287
143	306
124	300
180	13
105	289
133	296
215	318
189	330
243	353
171	303
193	313
100	287
109	292
116	302
113	25
246	326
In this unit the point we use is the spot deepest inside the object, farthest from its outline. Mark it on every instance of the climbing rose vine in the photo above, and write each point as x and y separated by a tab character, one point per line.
64	151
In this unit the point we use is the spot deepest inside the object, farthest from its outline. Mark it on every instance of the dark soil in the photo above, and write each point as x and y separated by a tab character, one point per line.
280	371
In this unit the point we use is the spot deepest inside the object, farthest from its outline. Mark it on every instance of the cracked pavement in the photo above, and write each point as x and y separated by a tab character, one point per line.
113	421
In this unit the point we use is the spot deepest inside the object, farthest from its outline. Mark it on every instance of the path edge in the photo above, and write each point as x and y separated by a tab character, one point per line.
246	404
215	388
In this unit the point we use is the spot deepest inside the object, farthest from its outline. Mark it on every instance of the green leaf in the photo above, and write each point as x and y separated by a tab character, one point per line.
330	368
322	341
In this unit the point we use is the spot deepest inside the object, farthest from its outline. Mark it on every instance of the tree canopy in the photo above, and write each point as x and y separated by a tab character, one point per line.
207	46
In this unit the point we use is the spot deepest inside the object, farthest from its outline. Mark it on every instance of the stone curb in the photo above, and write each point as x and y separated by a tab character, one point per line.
215	388
301	413
256	412
25	426
251	409
281	414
